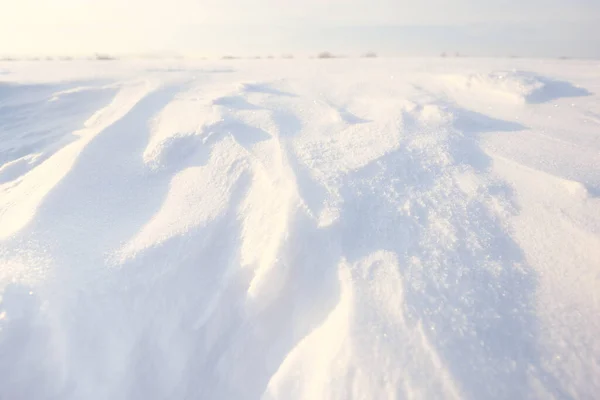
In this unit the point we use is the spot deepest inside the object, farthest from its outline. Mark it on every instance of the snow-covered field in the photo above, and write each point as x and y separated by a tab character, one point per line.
289	229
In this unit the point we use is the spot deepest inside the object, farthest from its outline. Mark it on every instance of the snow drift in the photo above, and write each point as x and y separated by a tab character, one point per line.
305	230
517	86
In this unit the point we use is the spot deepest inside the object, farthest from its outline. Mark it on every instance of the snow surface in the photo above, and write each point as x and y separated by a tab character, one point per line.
318	229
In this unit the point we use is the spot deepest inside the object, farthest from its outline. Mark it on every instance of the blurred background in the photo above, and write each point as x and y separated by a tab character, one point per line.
244	28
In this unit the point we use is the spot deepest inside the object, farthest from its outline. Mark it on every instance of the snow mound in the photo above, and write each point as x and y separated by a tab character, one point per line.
514	86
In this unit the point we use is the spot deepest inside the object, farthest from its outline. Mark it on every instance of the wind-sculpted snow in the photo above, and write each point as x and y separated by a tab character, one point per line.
314	230
518	86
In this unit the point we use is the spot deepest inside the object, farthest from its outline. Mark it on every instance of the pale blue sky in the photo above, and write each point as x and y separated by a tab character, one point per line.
248	27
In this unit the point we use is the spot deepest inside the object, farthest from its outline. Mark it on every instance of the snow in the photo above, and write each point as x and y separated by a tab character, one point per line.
307	229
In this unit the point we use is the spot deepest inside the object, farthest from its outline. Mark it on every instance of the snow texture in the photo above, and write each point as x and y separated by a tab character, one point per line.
338	229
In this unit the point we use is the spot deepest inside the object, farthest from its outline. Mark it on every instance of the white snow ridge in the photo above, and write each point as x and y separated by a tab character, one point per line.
368	229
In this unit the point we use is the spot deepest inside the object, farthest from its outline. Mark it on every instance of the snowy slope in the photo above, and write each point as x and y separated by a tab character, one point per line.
319	229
